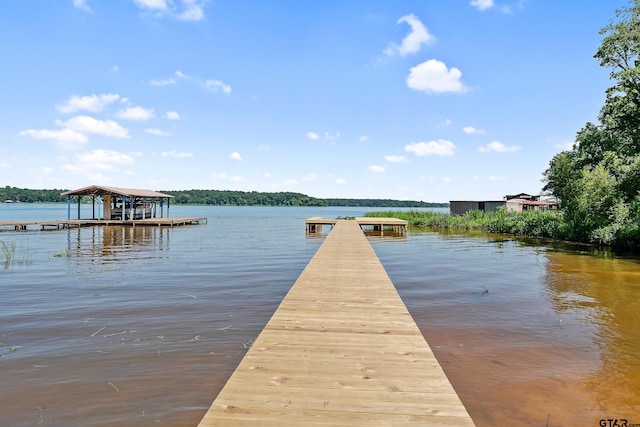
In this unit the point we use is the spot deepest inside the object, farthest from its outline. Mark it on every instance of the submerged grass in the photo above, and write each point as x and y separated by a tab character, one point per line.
7	253
544	224
8	258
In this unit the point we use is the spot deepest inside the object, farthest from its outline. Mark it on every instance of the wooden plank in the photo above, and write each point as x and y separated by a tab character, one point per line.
342	349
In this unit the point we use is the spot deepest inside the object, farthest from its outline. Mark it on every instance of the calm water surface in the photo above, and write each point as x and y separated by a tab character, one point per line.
120	326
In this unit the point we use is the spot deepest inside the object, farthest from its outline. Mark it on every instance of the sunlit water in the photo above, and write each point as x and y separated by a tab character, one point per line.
121	326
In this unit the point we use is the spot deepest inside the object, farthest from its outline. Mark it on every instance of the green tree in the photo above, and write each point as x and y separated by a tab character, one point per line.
598	181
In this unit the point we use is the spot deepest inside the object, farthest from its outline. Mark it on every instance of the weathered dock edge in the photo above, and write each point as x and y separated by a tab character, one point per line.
62	224
341	350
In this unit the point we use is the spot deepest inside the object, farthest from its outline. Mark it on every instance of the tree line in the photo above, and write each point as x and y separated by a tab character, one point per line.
597	182
220	198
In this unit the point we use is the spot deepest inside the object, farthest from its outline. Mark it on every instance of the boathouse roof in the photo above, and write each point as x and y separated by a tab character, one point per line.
95	190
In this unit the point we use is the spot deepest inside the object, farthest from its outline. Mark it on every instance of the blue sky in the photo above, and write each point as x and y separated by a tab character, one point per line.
428	100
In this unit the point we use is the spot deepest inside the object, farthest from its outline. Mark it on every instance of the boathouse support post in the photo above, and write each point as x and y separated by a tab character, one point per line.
79	198
124	206
69	208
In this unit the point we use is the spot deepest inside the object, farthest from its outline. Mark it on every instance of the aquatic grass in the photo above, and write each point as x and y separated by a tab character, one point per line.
66	253
5	350
544	224
7	253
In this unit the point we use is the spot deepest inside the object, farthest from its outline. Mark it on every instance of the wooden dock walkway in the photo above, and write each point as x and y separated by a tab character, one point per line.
341	350
61	224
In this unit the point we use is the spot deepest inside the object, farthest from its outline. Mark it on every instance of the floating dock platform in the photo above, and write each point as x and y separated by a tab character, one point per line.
341	350
396	226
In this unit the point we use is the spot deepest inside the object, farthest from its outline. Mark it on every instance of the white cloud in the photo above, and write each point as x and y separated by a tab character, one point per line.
115	69
267	175
235	156
172	115
103	160
182	75
136	113
482	4
82	4
564	146
192	11
164	82
157	132
433	76
46	169
310	178
396	159
418	36
341	181
497	178
151	4
4	165
219	175
217	85
93	103
471	130
376	168
289	182
88	124
175	154
236	179
327	136
440	147
183	10
363	138
67	139
498	147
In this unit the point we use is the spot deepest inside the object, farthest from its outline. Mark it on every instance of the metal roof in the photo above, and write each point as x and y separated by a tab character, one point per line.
532	202
99	190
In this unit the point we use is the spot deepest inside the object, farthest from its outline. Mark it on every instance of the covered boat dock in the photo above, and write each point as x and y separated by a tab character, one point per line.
115	203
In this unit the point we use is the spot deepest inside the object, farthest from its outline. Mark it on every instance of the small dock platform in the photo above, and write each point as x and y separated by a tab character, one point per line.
396	226
77	223
341	350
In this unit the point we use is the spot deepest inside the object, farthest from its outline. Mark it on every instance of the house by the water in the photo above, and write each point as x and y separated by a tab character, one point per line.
513	203
461	207
121	203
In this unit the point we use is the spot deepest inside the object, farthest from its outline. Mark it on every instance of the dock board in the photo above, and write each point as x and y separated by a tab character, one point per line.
341	350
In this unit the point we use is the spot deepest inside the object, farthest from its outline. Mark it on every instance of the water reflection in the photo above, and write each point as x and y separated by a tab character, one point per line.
529	332
117	244
604	293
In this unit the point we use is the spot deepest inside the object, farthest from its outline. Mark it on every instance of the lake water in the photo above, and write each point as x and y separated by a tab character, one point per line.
142	327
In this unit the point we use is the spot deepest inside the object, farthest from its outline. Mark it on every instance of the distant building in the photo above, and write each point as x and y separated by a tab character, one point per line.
513	203
461	207
523	196
519	205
